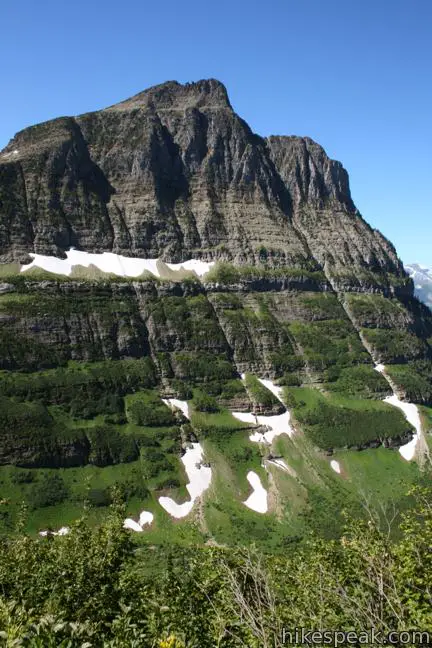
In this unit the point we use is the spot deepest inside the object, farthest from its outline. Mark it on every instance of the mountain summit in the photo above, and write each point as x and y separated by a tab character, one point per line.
175	173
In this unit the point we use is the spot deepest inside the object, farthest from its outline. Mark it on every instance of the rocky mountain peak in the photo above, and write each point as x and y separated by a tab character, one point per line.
309	173
173	95
175	173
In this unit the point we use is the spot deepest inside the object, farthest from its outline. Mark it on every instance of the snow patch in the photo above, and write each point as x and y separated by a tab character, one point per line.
109	262
195	265
278	424
178	404
411	414
199	476
257	500
336	466
275	390
199	480
280	463
61	532
132	525
145	518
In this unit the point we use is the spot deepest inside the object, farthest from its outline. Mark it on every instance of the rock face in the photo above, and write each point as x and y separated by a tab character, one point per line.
174	173
308	292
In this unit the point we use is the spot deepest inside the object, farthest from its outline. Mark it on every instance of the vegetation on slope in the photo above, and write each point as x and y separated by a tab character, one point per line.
339	422
109	594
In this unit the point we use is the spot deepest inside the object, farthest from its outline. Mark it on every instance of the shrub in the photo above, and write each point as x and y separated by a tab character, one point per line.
147	409
99	497
22	477
205	403
48	491
260	395
361	379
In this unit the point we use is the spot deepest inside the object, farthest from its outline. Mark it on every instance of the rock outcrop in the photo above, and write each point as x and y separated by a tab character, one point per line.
174	173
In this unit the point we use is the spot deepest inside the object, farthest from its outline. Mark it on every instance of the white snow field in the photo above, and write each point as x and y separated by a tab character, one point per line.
145	518
199	476
199	480
411	414
278	424
111	263
61	532
132	525
336	466
195	265
275	390
280	463
181	405
257	500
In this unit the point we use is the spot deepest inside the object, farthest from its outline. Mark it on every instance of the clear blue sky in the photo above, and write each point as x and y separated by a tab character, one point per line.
355	75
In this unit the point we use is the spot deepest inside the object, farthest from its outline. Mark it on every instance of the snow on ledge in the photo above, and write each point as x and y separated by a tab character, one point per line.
257	500
195	265
109	262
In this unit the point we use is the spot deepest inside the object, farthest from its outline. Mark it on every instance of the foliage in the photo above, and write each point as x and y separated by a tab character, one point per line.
206	367
48	491
361	380
146	409
414	378
216	425
331	423
395	346
112	595
329	342
262	397
80	383
204	402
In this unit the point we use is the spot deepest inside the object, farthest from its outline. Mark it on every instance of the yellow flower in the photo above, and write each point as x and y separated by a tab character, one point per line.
171	642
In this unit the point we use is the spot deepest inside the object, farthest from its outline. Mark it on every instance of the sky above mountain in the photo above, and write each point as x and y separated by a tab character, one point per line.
354	76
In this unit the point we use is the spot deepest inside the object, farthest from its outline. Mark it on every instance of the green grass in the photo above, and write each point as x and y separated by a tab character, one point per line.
336	421
226	273
414	378
360	380
395	346
217	426
329	342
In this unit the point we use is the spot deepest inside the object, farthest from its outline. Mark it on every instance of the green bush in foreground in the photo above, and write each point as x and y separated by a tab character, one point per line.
93	588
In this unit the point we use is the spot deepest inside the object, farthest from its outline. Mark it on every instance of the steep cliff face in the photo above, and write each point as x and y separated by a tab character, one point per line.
174	173
305	292
323	210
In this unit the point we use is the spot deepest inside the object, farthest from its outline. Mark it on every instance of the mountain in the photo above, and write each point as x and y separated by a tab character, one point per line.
173	172
177	291
422	278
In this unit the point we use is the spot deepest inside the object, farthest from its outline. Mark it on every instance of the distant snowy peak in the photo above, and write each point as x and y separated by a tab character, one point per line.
422	277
